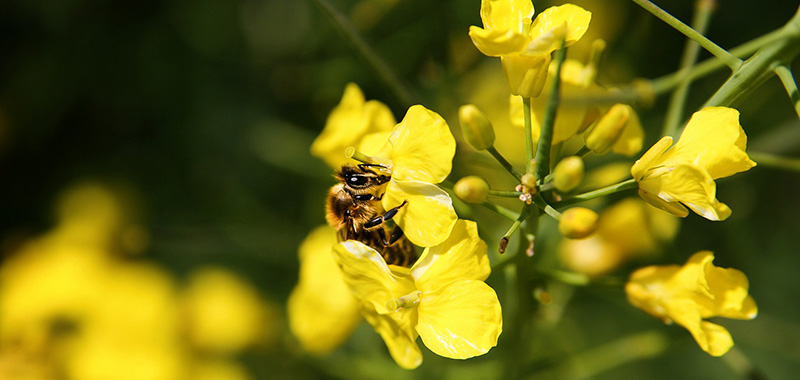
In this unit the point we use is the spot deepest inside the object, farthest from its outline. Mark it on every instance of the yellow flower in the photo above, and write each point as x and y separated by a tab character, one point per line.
348	123
524	46
442	298
225	314
322	312
689	294
712	146
419	153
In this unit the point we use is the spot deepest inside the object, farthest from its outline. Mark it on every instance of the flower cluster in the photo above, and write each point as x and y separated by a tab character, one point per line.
442	297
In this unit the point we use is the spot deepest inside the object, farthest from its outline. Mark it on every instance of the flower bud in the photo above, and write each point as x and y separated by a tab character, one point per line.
568	174
603	134
471	189
577	223
476	127
528	180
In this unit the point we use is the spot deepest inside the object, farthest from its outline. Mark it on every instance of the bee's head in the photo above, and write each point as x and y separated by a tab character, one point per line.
360	177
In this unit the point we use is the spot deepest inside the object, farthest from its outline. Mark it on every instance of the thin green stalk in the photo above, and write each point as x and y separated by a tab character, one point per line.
729	59
677	102
759	68
548	121
549	210
775	161
616	188
504	163
526	113
668	82
790	85
500	210
505	193
403	94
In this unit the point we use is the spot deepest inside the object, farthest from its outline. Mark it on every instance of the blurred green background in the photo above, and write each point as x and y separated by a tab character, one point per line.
205	111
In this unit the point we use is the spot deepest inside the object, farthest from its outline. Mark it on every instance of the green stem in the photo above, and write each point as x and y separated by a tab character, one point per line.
526	113
677	101
401	92
668	82
542	204
616	188
505	193
729	59
504	163
775	161
790	85
500	210
758	68
548	121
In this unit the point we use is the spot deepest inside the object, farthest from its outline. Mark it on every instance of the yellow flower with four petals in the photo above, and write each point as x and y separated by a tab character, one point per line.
692	293
712	146
524	45
442	298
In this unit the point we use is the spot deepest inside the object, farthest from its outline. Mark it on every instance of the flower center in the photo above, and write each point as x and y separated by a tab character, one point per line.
407	301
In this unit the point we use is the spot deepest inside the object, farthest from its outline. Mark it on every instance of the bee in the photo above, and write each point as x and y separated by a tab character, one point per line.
353	208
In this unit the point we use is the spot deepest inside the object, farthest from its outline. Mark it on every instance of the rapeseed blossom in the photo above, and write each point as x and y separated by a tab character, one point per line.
442	298
712	146
692	293
524	44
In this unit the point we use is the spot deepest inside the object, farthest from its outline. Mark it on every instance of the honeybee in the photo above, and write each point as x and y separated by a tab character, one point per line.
354	209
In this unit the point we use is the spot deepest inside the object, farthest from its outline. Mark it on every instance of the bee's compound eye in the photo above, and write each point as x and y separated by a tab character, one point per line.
356	180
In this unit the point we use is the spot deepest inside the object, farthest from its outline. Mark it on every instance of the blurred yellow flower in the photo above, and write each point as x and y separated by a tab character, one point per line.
322	312
692	293
712	146
225	314
626	229
419	153
351	120
524	45
218	369
442	298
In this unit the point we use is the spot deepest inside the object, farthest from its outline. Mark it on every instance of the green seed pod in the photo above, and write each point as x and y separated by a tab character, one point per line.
476	127
471	189
568	174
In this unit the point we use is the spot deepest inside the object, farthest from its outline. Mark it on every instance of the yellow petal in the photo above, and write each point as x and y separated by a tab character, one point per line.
374	143
525	74
397	331
369	278
428	216
714	141
462	256
730	289
347	123
642	166
495	43
514	15
695	189
322	312
460	320
422	147
674	208
576	19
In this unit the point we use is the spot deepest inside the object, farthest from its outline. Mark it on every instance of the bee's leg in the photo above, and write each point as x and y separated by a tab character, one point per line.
382	236
386	216
397	233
